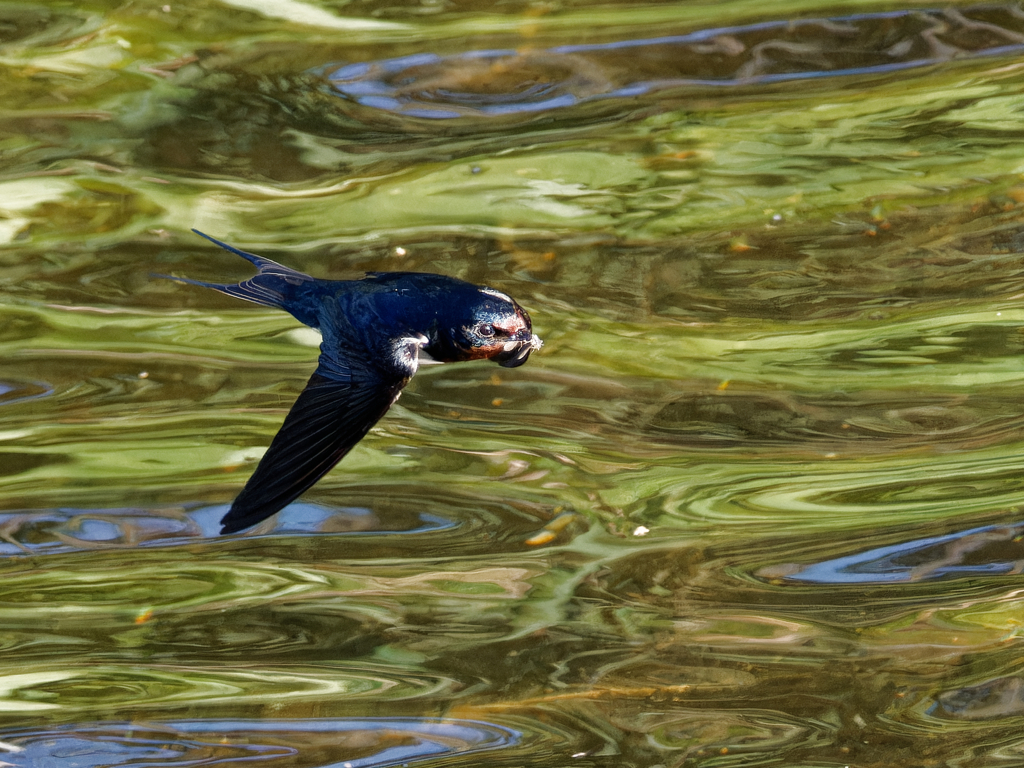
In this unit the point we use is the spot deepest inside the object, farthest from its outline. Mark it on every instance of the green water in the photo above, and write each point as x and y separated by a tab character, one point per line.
782	324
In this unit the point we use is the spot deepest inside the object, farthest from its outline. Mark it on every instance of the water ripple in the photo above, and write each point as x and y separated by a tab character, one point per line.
501	83
157	686
992	699
321	743
991	550
57	531
12	391
852	494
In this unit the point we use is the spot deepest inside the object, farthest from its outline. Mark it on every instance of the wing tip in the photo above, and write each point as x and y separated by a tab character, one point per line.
239	519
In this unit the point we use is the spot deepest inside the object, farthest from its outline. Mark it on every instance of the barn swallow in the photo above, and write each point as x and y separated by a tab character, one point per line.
374	331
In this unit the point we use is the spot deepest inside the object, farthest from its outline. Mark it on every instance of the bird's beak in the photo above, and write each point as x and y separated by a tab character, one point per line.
518	352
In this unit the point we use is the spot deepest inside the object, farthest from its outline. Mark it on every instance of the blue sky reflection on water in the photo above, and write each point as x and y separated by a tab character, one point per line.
384	742
910	561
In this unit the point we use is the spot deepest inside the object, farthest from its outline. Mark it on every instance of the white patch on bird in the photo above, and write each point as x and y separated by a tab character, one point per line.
497	294
405	351
307	337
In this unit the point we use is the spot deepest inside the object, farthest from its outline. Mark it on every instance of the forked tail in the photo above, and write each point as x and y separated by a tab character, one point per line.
274	286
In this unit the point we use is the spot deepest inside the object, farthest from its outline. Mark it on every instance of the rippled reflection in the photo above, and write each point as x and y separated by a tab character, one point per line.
998	698
309	743
63	530
517	82
992	550
158	686
757	501
15	391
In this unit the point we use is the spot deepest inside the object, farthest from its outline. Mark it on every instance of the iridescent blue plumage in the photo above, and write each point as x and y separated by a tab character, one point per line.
373	331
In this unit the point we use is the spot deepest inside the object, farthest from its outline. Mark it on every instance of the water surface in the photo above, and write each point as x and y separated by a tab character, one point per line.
757	501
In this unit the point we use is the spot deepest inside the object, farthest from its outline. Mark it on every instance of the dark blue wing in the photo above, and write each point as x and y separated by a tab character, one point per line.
347	394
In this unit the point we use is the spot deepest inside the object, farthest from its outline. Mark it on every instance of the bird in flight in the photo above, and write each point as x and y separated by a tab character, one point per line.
374	331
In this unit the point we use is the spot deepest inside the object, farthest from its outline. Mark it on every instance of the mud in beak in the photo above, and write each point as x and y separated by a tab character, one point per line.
517	352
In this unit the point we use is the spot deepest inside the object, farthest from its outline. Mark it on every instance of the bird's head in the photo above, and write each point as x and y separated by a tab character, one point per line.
490	325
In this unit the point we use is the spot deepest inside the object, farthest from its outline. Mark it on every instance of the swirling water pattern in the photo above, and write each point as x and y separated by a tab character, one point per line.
757	502
381	742
491	83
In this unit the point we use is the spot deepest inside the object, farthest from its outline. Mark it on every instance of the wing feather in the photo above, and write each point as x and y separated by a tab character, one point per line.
346	395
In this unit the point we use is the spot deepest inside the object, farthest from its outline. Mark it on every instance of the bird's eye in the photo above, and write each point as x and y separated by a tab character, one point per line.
486	331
